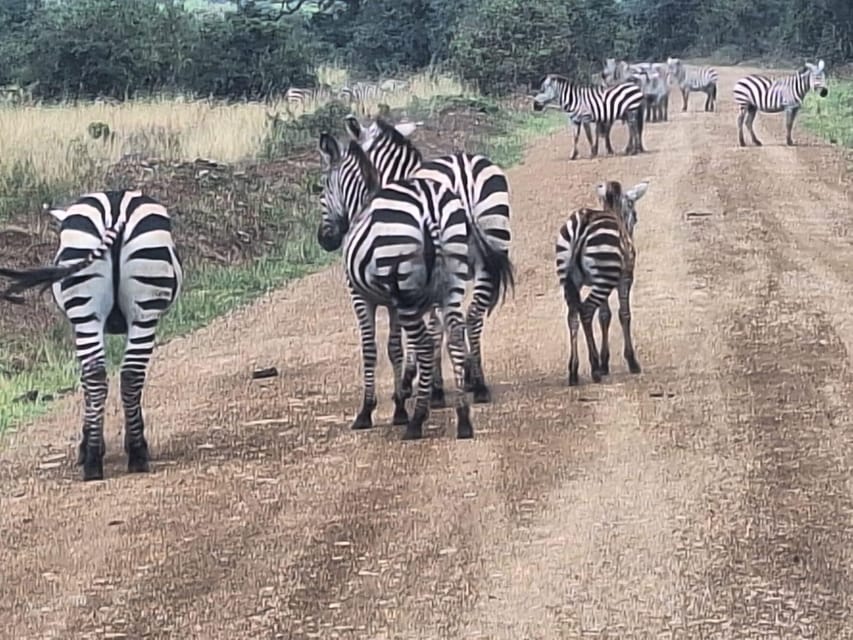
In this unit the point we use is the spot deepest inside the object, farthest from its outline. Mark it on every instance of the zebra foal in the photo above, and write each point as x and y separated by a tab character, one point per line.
116	271
405	247
756	92
595	248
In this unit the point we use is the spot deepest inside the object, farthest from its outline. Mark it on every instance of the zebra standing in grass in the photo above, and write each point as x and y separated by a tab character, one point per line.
690	79
587	105
595	248
301	98
359	94
754	93
117	272
405	247
484	190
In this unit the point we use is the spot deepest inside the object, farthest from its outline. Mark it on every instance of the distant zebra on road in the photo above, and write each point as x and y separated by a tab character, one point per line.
405	247
754	93
586	104
484	189
695	79
595	248
653	79
117	272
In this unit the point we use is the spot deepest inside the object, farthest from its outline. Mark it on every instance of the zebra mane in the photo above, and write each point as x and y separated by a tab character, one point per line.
366	168
390	133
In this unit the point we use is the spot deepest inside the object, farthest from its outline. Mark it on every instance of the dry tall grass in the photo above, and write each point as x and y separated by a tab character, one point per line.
50	140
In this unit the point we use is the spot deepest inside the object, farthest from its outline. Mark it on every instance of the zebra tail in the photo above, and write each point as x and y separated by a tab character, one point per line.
498	266
25	279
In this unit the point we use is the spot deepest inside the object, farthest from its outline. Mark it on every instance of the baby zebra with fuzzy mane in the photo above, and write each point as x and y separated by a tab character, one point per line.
117	272
595	248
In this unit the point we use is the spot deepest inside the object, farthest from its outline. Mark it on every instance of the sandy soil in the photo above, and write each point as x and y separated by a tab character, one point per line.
709	497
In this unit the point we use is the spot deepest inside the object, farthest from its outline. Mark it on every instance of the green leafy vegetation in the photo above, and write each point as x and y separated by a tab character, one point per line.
832	117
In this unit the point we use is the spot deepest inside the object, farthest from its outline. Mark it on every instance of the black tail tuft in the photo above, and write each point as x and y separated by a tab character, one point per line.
29	278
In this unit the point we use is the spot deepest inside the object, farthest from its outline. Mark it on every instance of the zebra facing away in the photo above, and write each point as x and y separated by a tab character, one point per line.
405	247
595	248
586	105
690	79
484	189
117	272
754	93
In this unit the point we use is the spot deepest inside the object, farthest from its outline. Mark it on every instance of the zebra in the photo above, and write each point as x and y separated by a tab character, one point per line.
653	79
405	247
601	106
691	79
359	94
614	72
117	271
595	248
484	189
754	93
303	97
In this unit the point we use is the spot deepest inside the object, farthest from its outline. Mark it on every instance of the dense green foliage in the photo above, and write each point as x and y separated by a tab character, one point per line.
89	47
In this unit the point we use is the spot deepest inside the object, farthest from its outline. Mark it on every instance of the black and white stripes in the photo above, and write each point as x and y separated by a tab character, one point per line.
595	248
587	104
692	79
405	247
754	93
117	272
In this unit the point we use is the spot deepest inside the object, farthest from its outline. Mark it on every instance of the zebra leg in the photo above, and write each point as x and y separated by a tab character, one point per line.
573	303
138	348
750	118
410	370
458	355
415	326
685	96
593	147
436	329
395	355
587	312
366	313
605	129
740	117
576	132
94	382
604	317
790	116
475	377
625	285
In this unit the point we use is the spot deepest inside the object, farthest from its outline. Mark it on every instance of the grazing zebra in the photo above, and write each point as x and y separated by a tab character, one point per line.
295	97
405	247
602	106
595	248
359	94
691	79
117	272
484	190
754	93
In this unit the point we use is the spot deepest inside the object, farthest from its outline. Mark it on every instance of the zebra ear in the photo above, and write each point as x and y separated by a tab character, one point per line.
330	152
820	65
353	127
601	190
406	129
638	190
58	214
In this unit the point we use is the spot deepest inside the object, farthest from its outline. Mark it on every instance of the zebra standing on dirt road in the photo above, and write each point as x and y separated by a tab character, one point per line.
694	79
653	79
754	93
484	189
405	247
586	105
117	272
595	247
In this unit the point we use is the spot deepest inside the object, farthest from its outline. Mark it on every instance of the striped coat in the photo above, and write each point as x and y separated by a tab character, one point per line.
695	79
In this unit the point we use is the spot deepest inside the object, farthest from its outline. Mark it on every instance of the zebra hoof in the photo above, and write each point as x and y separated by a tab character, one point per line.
138	459
482	395
605	368
401	416
415	428
437	400
93	467
634	367
464	429
596	375
573	379
362	421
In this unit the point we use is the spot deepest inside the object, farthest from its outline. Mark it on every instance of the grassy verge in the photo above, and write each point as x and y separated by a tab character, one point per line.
279	218
832	117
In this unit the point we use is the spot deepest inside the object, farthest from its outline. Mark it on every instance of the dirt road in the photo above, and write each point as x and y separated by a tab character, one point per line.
709	497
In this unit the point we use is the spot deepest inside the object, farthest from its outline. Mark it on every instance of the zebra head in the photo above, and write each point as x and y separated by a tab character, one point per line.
349	183
610	194
550	90
817	78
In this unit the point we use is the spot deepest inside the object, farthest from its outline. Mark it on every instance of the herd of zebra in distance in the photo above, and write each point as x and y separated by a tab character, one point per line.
416	234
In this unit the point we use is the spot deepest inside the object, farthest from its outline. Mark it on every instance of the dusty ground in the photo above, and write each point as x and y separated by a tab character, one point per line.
708	497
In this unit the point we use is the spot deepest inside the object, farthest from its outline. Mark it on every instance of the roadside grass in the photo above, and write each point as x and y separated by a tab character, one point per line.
831	118
212	290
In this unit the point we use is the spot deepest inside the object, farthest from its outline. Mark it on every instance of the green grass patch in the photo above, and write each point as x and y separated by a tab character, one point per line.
832	117
213	290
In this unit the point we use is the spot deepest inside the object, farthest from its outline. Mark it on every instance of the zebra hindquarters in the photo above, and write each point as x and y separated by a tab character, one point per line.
87	301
